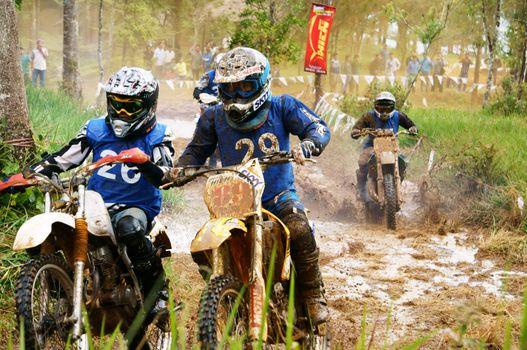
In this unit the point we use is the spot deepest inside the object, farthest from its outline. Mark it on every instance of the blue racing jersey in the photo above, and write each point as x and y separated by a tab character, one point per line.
286	116
120	183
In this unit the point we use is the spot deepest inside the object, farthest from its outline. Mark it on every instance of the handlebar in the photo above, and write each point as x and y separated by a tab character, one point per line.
179	177
382	132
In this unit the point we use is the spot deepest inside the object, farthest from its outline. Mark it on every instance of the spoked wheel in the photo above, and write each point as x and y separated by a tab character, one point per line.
390	201
44	296
217	303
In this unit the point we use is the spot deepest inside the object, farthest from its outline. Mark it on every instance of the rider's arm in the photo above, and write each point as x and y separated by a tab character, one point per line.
404	121
303	122
203	142
365	121
69	157
161	161
203	82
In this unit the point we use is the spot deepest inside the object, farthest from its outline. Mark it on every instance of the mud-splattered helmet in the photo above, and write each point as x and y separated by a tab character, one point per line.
131	96
385	105
243	76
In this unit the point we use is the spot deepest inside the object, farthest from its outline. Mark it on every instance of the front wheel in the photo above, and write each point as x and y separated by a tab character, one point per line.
44	300
217	303
390	201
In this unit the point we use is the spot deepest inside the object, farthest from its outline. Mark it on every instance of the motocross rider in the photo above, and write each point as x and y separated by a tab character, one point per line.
382	116
131	194
250	123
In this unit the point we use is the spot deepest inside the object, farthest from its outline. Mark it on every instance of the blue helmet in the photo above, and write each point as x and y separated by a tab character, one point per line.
243	76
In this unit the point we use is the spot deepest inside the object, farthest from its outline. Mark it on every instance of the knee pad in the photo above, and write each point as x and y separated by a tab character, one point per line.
302	238
131	231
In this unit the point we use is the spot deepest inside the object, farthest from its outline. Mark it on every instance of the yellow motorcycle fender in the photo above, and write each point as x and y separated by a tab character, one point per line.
35	231
286	268
215	232
387	158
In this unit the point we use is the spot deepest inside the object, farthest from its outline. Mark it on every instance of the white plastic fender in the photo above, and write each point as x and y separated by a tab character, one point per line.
387	158
35	231
97	216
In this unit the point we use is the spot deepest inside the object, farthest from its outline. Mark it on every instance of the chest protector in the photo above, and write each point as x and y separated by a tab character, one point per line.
238	147
392	123
120	183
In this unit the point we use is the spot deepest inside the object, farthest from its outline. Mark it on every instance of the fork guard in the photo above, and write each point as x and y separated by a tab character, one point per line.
214	232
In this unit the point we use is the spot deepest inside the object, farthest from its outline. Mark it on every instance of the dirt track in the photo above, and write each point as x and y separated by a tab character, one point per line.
416	281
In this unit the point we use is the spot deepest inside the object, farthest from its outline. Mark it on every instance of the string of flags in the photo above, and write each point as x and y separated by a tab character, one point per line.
334	117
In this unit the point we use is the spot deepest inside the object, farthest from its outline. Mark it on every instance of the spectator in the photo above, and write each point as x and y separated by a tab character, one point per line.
159	57
392	65
39	57
169	59
355	70
181	70
496	63
346	69
463	74
376	65
426	67
385	54
208	56
411	71
195	62
147	56
334	72
25	62
439	71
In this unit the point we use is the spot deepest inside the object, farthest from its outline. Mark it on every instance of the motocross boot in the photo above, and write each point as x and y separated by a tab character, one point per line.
362	187
310	285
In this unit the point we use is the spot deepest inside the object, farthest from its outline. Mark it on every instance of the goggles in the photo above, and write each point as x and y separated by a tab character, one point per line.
384	108
127	108
240	89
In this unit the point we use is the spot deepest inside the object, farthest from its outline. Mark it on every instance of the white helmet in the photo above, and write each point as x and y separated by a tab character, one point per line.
384	105
243	76
131	96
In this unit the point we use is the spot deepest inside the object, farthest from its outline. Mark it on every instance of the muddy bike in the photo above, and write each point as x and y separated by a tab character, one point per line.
386	168
235	248
76	263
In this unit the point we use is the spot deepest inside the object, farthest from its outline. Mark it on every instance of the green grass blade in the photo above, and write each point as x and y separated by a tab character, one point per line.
417	344
523	329
172	320
508	336
268	285
388	325
361	344
290	312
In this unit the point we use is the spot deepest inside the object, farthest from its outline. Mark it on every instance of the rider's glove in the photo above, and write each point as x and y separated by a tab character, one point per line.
413	130
304	150
355	134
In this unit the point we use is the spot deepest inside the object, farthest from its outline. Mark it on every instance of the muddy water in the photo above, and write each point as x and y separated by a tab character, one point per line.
410	282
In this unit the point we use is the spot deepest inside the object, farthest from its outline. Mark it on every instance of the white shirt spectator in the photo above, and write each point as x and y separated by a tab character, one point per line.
392	66
39	60
169	56
160	55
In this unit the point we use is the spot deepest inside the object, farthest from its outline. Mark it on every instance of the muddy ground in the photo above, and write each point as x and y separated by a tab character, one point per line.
421	280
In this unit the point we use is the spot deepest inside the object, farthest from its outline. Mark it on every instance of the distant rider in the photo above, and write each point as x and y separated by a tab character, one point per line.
130	193
382	116
250	123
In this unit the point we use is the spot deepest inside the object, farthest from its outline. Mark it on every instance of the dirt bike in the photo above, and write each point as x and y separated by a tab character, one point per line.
76	263
386	167
236	246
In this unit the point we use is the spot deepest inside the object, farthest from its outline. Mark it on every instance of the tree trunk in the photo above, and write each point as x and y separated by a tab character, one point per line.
491	43
99	52
402	41
476	73
70	56
14	120
110	37
35	20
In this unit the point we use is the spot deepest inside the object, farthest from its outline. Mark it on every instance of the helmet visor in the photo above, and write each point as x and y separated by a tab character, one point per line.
126	108
240	89
384	108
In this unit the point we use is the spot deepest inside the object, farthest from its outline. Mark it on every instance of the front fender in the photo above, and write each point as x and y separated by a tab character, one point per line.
215	232
35	231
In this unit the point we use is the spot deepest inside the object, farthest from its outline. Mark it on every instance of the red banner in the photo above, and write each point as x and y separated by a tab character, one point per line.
320	22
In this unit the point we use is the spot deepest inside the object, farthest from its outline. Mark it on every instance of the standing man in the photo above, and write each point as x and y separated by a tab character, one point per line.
25	62
159	57
392	65
39	57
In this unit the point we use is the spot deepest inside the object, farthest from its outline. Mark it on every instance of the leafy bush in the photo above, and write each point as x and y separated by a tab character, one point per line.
507	102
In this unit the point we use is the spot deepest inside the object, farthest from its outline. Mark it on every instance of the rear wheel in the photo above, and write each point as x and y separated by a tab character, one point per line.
318	342
44	297
217	303
390	201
